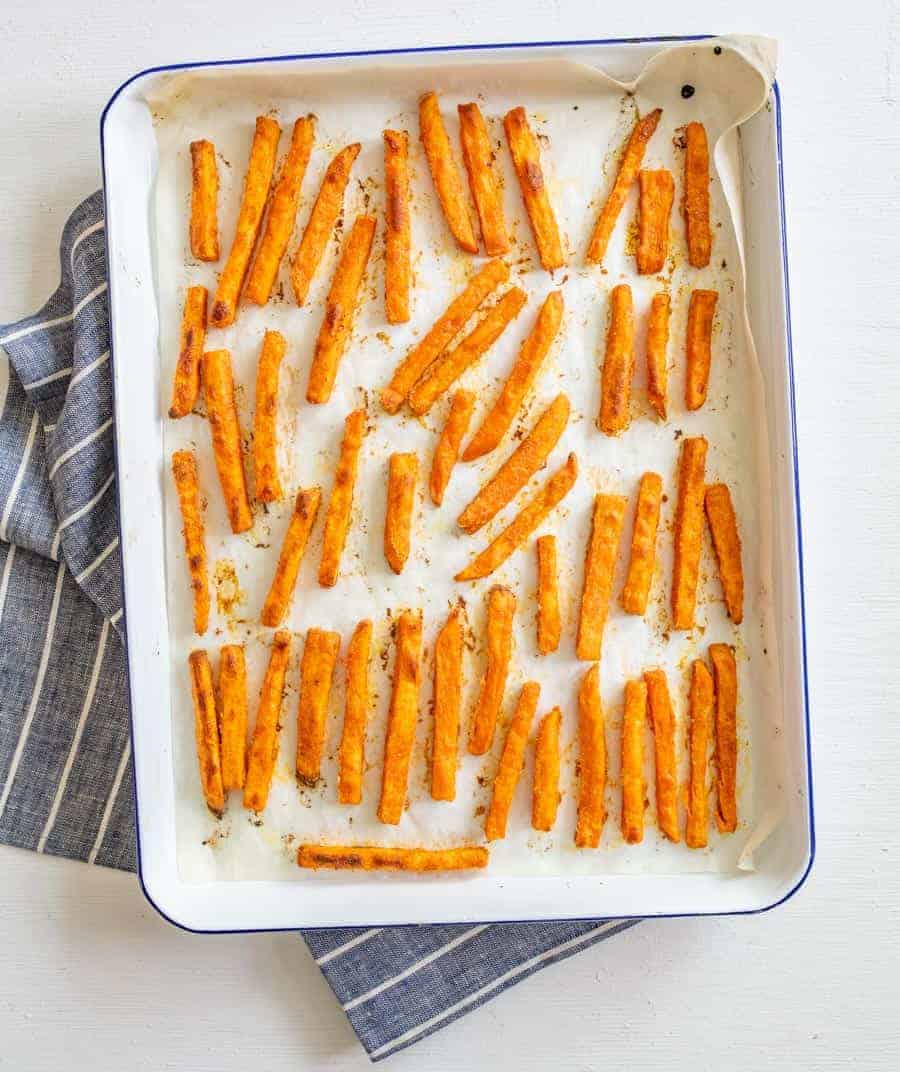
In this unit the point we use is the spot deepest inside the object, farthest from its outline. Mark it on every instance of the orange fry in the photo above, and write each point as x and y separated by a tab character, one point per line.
445	371
527	459
618	363
633	722
701	703
688	532
657	341
218	385
320	653
233	715
448	654
402	714
337	516
186	384
545	791
281	591
445	173
662	722
206	728
478	156
725	674
265	437
321	222
184	470
591	762
204	227
698	345
253	200
340	310
695	204
448	325
378	858
727	544
447	450
526	157
501	610
599	570
282	213
524	523
397	272
629	166
356	710
264	743
657	189
403	472
548	623
511	758
524	372
643	545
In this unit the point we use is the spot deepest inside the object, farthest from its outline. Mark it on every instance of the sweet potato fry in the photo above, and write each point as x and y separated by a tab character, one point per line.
186	383
634	720
698	346
265	436
526	157
337	517
448	325
446	370
727	545
662	722
688	532
511	758
701	703
448	654
599	570
378	858
356	711
206	728
218	385
320	654
657	190
501	610
281	591
629	166
444	172
397	236
527	459
545	791
657	342
695	204
253	202
478	157
402	714
725	675
321	222
184	470
524	523
591	762
340	310
403	472
643	545
264	743
524	372
447	450
618	363
204	227
282	213
548	623
233	715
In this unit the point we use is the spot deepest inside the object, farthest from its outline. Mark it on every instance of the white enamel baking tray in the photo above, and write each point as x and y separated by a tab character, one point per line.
781	863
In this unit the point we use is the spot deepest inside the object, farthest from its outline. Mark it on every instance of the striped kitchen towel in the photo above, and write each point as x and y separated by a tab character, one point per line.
65	747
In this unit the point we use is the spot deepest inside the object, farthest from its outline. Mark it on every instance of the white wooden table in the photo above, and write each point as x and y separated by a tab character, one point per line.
91	978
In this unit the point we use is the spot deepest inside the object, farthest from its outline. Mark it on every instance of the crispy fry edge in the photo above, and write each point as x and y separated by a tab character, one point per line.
184	472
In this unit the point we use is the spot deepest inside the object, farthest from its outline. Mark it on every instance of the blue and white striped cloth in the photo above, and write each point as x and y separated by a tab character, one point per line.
65	747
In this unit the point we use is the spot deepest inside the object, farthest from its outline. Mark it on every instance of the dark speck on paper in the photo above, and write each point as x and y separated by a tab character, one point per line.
687	91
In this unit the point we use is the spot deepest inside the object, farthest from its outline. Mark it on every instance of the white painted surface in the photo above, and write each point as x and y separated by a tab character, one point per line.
91	978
